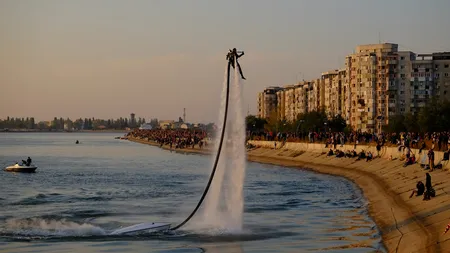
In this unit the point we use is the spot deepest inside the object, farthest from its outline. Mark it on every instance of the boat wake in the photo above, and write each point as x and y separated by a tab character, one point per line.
39	229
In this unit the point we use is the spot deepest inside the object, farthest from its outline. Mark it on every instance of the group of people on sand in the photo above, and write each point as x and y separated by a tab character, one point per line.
174	138
351	154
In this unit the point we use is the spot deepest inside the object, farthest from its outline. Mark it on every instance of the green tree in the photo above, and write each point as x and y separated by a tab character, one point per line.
272	124
337	123
154	123
254	123
31	123
396	124
54	124
428	118
410	122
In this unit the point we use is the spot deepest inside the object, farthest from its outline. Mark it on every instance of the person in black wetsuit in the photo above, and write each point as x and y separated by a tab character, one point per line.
28	161
232	56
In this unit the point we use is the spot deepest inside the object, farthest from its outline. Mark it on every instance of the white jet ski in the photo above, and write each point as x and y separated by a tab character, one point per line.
152	226
21	168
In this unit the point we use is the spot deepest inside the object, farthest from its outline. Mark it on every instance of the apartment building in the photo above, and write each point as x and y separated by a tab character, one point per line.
301	98
333	82
281	104
290	100
315	95
268	101
441	62
378	82
400	92
370	71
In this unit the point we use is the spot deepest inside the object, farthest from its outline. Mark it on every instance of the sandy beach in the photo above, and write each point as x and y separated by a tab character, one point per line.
406	224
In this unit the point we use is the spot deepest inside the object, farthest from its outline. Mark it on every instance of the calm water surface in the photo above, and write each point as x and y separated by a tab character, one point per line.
80	193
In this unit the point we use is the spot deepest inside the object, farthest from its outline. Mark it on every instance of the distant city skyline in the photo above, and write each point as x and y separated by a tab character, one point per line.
106	59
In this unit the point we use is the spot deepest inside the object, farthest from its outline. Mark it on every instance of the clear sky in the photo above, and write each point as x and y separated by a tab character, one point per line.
106	59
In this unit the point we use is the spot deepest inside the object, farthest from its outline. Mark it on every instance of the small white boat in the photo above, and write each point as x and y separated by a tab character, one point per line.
21	168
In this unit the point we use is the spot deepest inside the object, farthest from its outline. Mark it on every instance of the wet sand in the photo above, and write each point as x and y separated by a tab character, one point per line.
406	224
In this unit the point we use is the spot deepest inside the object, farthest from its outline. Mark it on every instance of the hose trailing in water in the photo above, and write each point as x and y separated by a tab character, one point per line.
217	155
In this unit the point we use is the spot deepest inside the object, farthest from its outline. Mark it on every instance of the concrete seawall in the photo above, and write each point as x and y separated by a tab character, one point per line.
406	224
386	152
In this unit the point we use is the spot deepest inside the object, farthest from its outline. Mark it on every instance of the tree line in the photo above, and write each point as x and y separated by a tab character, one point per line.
433	117
68	124
305	122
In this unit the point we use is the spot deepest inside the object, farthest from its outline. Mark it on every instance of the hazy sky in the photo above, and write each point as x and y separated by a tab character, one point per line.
106	59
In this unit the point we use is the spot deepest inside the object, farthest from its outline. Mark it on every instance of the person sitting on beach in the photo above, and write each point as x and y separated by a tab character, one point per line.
330	153
362	155
339	154
348	154
439	165
420	189
354	154
369	156
409	161
408	153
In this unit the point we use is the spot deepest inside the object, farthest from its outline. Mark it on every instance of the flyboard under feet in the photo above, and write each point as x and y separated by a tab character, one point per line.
232	58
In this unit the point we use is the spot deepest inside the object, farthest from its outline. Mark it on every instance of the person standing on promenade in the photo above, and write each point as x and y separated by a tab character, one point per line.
431	159
429	189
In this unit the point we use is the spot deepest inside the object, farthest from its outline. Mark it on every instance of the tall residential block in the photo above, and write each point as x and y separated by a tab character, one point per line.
441	62
378	82
371	70
268	102
334	91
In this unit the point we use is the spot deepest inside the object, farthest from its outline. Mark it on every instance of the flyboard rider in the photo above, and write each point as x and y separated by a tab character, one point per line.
230	57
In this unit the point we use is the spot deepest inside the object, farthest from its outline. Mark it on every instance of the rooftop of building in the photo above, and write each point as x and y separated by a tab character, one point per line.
366	47
441	56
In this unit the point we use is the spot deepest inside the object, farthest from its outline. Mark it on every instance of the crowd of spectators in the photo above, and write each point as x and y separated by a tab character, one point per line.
174	138
439	141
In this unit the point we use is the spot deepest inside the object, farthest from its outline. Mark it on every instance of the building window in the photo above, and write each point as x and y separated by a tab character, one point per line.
446	66
402	58
446	74
402	66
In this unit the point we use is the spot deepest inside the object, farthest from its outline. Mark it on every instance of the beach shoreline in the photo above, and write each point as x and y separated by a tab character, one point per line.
406	225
